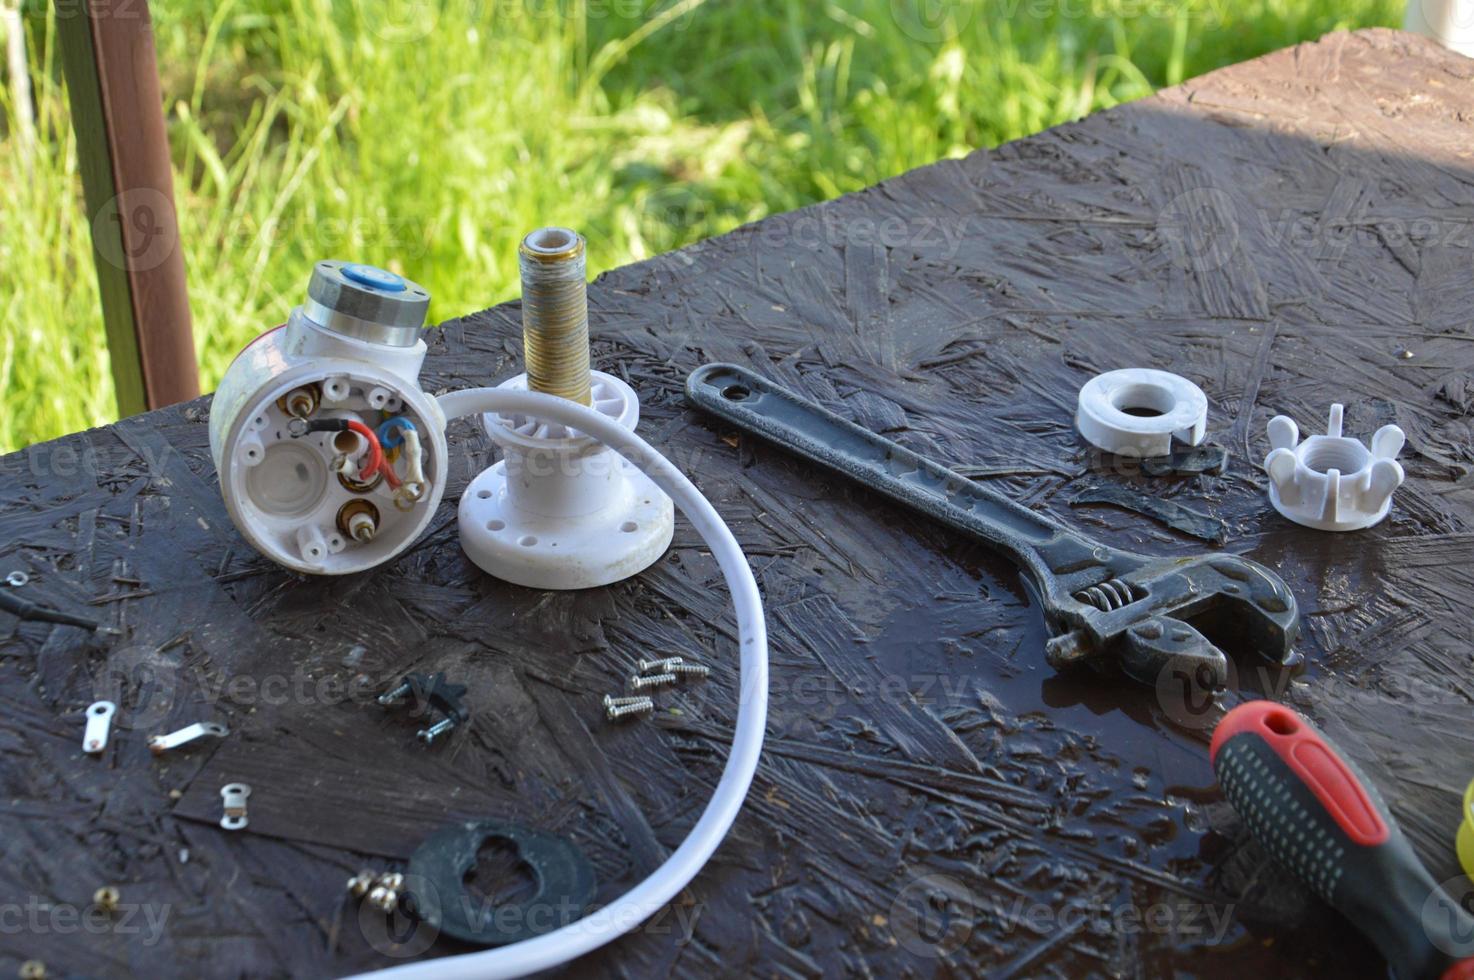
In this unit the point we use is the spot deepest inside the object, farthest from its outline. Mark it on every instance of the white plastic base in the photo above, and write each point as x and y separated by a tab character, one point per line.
1332	482
561	511
564	552
1166	404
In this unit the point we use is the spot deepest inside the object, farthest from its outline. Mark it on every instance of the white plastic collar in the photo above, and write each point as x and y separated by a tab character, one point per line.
1174	406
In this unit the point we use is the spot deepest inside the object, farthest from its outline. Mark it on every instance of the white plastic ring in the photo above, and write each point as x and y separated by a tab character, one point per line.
1138	411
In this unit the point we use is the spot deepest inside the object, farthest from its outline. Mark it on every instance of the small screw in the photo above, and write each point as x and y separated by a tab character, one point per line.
690	670
394	694
429	735
33	970
638	683
107	898
658	666
384	899
610	701
359	884
642	706
392	880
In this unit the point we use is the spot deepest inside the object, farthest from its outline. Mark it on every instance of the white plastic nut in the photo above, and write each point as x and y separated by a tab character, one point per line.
1138	411
1332	482
562	511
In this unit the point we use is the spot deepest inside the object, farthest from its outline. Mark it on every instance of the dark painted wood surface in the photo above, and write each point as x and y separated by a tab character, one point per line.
1287	232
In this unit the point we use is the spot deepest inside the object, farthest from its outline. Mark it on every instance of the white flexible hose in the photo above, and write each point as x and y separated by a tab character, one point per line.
652	894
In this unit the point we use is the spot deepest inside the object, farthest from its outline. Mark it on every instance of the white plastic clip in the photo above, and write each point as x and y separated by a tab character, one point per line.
99	723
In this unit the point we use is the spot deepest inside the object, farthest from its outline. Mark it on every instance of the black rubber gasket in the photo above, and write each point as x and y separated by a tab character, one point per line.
437	872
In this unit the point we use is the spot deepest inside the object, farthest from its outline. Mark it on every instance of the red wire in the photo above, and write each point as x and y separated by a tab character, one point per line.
376	461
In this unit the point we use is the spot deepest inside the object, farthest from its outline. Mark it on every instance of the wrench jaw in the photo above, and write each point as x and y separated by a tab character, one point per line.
1161	645
1173	603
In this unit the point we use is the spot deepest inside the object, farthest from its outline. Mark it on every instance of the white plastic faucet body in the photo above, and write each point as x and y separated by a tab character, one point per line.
1332	482
281	488
560	510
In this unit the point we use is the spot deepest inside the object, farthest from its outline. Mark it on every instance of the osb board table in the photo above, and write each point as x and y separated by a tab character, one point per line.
933	799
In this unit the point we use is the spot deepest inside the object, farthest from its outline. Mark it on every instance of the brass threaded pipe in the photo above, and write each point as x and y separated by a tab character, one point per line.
555	313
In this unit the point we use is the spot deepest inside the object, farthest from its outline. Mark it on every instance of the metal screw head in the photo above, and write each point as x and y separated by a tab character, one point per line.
15	580
392	880
658	666
359	884
610	701
384	899
107	898
32	970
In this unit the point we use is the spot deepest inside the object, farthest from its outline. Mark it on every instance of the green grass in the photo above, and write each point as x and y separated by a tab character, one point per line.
428	135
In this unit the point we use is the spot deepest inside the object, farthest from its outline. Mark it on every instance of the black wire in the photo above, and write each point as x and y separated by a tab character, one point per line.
26	609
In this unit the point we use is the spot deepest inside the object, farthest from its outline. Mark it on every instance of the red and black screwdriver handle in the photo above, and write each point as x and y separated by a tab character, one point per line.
1311	809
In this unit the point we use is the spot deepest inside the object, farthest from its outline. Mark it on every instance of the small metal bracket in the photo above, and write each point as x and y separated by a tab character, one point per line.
159	744
99	723
234	795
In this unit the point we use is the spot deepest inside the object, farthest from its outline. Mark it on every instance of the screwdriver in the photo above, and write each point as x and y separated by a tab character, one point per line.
1310	808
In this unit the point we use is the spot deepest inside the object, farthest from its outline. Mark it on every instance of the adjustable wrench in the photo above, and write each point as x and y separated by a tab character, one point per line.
1101	603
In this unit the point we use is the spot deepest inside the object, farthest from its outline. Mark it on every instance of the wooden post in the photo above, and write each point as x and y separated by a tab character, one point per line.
112	76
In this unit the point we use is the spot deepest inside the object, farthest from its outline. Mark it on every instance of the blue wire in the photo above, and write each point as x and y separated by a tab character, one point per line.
388	433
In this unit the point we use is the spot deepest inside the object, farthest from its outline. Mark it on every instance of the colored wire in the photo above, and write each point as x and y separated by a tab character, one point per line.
389	431
376	463
645	899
